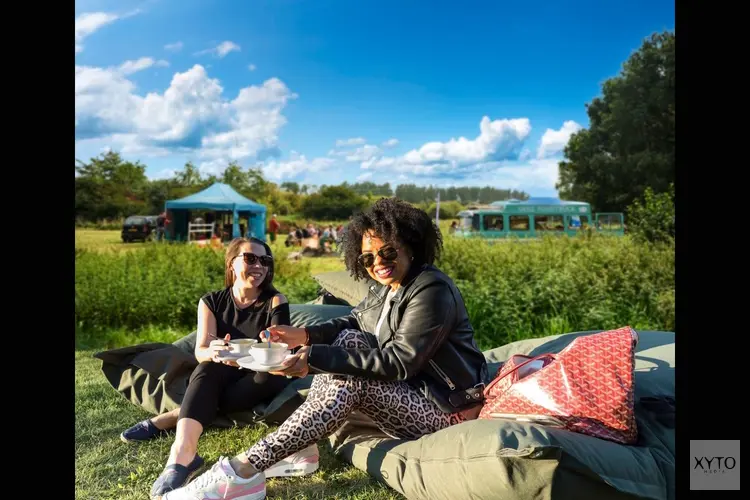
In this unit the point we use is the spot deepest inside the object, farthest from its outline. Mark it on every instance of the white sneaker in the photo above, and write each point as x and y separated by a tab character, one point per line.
221	482
301	463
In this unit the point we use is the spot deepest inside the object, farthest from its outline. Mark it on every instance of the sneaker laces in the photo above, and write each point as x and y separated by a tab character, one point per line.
215	475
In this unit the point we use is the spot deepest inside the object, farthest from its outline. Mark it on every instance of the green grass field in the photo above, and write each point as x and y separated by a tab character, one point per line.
105	241
110	241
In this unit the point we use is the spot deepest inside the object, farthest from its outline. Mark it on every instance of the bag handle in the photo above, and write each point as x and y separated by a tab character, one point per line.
519	365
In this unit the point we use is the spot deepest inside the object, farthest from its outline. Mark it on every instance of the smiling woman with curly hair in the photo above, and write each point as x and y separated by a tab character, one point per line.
405	356
397	224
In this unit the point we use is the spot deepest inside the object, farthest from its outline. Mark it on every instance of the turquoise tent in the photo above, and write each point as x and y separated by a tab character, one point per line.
218	197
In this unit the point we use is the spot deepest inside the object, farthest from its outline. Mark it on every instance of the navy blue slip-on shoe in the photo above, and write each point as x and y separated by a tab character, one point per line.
175	476
142	431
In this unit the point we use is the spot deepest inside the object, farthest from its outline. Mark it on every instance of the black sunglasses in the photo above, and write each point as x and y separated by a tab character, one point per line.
251	259
367	259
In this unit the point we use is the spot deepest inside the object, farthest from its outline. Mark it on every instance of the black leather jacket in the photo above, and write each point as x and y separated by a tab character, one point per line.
426	340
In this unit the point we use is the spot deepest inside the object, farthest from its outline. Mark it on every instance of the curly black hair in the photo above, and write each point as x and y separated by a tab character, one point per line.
397	223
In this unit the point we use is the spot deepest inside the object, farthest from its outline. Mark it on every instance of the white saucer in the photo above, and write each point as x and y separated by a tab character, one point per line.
229	356
250	363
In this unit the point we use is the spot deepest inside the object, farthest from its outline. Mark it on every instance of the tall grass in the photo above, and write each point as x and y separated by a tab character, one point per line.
512	290
522	289
161	285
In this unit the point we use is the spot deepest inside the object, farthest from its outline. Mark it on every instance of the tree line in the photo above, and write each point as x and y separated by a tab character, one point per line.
109	187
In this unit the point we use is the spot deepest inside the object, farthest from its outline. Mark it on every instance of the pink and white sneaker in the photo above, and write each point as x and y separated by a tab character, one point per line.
301	463
221	482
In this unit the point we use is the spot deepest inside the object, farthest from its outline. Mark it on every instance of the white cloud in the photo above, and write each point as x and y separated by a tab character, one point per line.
390	143
220	50
364	153
192	115
499	140
297	166
498	156
89	22
354	141
104	102
364	177
252	67
174	47
130	67
225	48
536	177
554	141
213	167
380	163
164	174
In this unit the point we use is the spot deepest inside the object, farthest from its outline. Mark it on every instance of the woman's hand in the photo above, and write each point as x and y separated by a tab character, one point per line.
296	365
217	346
289	335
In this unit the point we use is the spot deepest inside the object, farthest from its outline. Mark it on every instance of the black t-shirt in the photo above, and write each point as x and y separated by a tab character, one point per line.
245	322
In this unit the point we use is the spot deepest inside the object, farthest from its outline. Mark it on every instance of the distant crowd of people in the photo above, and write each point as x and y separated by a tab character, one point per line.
326	236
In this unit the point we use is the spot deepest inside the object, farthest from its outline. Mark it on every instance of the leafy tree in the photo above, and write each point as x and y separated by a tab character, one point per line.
236	177
370	188
465	195
653	218
448	209
189	176
292	187
629	145
108	187
332	203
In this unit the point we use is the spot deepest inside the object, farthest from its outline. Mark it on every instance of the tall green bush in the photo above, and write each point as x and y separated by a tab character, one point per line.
448	209
521	289
161	285
653	217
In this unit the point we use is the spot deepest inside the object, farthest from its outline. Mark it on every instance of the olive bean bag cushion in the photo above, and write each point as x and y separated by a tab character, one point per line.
491	459
339	287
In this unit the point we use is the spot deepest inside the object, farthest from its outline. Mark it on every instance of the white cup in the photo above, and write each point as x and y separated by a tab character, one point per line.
267	353
241	346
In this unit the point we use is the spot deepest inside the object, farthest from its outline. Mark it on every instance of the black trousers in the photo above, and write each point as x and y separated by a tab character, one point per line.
218	388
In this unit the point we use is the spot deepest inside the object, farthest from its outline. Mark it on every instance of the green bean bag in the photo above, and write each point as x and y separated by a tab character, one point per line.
496	459
339	287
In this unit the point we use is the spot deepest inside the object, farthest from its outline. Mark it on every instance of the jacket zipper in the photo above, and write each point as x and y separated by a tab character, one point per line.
443	375
359	312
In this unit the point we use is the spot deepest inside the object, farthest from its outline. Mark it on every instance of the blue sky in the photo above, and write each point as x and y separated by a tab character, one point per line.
318	92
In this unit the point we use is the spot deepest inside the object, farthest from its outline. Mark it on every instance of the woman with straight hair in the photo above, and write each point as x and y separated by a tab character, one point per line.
248	304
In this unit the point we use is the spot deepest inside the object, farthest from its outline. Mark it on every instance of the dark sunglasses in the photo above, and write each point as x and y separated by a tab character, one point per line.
367	259
251	259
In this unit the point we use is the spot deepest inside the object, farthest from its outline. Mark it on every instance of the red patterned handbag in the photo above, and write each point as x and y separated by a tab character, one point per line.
588	387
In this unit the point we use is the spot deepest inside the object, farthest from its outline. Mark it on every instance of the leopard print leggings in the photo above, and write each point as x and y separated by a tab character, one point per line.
399	409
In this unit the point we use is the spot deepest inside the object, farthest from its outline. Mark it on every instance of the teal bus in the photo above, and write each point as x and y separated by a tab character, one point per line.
534	218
